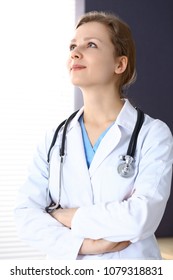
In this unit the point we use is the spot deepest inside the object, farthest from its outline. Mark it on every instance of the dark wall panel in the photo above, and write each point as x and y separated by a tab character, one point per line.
152	25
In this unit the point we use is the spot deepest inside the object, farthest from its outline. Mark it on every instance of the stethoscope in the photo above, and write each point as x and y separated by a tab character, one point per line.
125	168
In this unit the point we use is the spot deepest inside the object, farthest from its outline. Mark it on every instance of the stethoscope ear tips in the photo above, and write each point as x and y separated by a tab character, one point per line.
126	168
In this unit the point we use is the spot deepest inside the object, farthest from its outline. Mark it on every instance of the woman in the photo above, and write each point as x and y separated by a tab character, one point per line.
101	215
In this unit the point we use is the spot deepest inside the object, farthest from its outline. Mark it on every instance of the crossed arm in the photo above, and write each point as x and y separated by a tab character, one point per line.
89	246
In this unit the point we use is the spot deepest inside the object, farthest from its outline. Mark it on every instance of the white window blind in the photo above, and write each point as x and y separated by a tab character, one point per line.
35	94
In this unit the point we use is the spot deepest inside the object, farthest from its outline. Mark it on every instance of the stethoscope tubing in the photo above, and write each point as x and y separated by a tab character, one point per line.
124	168
133	141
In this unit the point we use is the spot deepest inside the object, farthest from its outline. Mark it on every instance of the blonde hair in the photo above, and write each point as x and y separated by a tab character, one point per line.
121	37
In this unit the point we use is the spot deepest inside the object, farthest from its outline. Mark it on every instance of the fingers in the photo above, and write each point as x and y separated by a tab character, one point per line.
121	246
102	246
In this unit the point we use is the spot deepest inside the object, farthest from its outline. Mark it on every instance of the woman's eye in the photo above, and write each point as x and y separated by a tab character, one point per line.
92	45
72	47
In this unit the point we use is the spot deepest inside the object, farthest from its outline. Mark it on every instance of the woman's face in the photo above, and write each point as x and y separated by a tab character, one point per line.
92	56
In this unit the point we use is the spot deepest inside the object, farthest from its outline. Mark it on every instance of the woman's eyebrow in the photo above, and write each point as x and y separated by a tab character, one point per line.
86	39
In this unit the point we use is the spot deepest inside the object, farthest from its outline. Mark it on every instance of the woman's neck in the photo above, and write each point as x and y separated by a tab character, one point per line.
101	107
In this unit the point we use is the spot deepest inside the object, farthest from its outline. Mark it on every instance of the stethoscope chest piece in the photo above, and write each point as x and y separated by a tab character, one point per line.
126	168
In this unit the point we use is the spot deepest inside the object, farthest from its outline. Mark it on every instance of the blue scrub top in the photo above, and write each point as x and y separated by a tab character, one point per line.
89	149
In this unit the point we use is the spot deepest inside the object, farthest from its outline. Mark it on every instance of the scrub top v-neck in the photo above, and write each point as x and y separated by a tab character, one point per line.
89	149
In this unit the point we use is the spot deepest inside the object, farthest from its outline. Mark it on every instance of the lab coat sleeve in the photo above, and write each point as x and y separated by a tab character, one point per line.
36	227
137	217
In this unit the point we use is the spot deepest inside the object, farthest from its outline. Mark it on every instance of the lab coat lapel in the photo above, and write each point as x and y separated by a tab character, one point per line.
108	143
76	157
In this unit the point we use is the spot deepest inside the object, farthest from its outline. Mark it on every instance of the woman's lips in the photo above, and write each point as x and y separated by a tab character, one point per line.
76	67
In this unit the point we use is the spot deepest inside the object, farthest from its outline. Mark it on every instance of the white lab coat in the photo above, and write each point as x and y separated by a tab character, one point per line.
109	206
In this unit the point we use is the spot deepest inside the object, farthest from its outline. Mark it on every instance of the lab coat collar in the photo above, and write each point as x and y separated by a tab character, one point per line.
127	116
75	119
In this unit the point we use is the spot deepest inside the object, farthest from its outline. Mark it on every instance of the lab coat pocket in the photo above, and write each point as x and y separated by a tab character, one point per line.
113	186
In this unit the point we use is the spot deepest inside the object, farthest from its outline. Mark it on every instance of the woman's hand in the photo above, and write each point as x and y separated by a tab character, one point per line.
101	246
64	216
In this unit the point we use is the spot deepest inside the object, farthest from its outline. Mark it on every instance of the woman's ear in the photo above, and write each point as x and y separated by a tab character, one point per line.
121	64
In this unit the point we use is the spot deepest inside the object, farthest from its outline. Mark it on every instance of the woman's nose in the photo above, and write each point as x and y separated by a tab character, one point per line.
76	53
